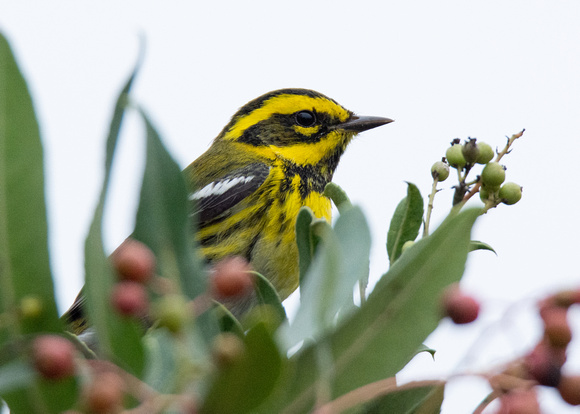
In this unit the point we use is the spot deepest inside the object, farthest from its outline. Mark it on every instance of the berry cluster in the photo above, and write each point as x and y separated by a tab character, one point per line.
491	185
516	385
107	386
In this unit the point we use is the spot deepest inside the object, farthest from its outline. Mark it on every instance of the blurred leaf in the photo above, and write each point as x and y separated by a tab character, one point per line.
15	375
243	385
338	196
24	260
381	338
119	338
267	295
304	240
420	400
341	260
25	392
161	365
406	222
163	218
164	224
479	245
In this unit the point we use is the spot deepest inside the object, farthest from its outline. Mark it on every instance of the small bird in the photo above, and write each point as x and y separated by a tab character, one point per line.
275	156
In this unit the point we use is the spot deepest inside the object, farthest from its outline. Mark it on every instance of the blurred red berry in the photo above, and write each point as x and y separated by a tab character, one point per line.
461	308
556	327
53	357
134	261
569	389
105	393
130	299
544	363
231	278
519	402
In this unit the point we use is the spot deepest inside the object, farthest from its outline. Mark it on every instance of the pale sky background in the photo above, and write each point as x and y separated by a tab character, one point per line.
441	69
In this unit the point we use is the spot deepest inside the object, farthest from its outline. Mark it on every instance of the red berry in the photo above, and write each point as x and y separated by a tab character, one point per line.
544	363
519	402
231	278
461	308
130	299
569	389
53	357
134	261
105	393
556	328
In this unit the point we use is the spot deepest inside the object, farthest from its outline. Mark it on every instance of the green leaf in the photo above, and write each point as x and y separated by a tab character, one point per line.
15	375
161	365
242	386
479	245
26	392
24	260
163	218
267	295
341	260
119	338
164	224
420	400
338	197
381	338
304	240
406	222
425	348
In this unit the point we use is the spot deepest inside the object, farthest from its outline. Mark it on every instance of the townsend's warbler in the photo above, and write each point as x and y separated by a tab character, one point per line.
276	155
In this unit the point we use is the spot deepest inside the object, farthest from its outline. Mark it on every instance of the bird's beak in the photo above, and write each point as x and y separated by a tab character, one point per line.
362	123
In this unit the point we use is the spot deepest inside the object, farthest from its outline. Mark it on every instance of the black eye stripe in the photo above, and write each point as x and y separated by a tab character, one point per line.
305	118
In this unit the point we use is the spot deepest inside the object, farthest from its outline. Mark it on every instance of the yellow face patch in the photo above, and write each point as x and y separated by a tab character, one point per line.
307	131
286	104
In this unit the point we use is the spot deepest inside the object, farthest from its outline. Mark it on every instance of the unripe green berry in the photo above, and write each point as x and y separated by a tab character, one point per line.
510	193
485	153
31	307
470	151
440	170
407	245
171	312
483	193
454	155
493	175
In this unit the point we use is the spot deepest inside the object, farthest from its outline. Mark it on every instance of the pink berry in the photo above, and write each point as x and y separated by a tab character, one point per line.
461	308
130	299
53	357
231	278
134	261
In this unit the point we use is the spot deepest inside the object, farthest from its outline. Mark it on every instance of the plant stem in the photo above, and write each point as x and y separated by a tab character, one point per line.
430	207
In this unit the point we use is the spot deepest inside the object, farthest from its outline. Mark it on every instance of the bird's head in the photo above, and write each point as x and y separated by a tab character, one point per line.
298	125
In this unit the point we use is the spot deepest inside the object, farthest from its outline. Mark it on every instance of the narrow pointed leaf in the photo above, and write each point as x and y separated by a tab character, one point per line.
119	338
24	260
479	245
406	222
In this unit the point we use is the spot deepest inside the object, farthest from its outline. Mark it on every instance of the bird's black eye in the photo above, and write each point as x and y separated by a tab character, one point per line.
305	118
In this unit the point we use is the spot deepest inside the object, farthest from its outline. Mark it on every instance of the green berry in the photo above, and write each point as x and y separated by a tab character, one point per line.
407	245
493	175
454	155
485	153
510	193
440	170
483	193
470	151
172	312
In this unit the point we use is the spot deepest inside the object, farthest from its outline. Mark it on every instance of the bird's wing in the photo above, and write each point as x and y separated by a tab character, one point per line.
227	191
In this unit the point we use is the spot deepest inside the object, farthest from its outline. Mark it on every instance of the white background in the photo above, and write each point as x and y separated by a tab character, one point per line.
442	70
